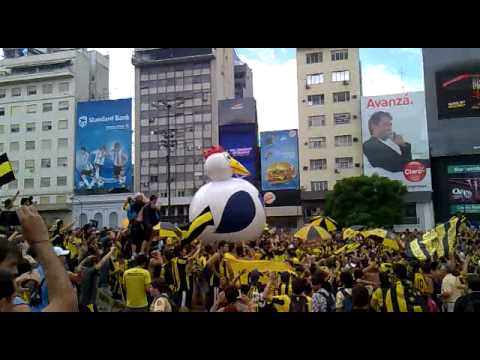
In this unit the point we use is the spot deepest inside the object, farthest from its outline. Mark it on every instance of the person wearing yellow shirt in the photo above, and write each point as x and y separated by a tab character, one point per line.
137	282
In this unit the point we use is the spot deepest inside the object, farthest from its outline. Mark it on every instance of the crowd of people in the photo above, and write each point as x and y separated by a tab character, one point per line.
135	269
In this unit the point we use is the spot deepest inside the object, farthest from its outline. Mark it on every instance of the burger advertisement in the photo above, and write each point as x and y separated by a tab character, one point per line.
279	160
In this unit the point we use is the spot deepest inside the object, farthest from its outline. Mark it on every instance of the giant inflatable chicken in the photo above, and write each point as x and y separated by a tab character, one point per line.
234	205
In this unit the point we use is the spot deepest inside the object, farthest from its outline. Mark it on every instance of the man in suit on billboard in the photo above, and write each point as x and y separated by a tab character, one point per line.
385	149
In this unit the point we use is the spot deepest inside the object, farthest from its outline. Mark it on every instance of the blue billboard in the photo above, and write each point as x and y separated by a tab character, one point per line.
241	142
103	147
279	160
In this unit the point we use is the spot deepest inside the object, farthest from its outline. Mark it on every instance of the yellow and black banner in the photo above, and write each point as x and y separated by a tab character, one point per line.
197	226
6	170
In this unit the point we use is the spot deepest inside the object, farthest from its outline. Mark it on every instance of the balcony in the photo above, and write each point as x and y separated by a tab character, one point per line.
147	56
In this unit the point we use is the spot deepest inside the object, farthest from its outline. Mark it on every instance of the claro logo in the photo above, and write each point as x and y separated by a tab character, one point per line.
466	194
414	171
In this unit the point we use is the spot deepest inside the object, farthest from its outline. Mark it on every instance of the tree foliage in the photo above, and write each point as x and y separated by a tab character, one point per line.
373	201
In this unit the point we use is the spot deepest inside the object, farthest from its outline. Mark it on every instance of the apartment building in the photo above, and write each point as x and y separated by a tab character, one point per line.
38	95
330	146
176	104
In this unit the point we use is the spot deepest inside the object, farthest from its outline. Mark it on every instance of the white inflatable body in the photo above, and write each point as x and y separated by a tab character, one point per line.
236	207
237	211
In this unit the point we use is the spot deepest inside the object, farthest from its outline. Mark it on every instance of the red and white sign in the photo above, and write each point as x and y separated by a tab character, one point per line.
414	171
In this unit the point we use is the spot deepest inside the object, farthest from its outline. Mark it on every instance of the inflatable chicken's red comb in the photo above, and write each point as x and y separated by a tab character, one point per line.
213	150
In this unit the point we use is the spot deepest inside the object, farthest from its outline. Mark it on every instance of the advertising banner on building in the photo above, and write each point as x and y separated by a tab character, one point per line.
279	160
103	146
464	188
458	94
241	142
395	139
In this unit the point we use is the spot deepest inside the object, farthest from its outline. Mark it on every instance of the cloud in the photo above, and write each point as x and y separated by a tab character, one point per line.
275	90
413	51
380	80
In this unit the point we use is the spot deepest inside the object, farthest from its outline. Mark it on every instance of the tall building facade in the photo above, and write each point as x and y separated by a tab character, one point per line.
330	146
452	94
243	79
176	103
38	96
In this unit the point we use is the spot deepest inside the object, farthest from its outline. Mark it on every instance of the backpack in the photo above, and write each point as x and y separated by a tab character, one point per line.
347	300
331	305
298	303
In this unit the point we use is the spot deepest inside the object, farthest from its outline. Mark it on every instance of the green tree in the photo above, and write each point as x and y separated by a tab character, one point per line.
373	201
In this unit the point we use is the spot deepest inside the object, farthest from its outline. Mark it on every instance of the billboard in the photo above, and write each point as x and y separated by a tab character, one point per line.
103	147
464	188
395	139
458	94
237	111
279	160
241	142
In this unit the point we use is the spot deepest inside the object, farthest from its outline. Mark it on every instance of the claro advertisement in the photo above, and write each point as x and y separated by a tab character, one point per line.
279	160
464	188
395	139
103	146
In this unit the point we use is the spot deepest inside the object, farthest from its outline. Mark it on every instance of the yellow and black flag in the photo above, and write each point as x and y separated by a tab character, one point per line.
197	226
6	170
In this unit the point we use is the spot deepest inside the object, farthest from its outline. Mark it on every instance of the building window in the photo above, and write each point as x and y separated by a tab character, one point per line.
181	193
343	140
317	142
339	54
46	144
17	110
46	163
314	79
316	99
62	162
16	92
83	219
98	217
344	163
14	146
343	96
113	220
154	178
341	118
340	76
62	143
47	88
2	148
62	199
61	180
3	93
63	87
13	185
314	58
28	183
46	125
31	109
63	105
319	185
15	128
2	111
47	107
30	127
31	90
44	200
316	120
318	164
62	124
163	194
29	145
45	182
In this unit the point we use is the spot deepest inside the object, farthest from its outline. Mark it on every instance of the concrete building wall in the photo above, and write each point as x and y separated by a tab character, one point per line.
330	152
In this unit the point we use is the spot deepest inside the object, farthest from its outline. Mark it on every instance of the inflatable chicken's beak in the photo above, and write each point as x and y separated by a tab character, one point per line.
238	168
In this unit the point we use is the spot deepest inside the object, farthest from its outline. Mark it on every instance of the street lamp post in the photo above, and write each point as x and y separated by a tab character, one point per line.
168	145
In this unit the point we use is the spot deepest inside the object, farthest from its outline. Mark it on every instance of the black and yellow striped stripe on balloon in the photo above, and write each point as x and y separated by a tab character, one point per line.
197	226
6	170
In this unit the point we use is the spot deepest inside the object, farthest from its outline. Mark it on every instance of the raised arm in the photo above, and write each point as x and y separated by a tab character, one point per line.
61	293
106	258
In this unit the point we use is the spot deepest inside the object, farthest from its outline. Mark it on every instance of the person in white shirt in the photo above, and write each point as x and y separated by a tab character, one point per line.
385	149
99	161
119	158
452	289
85	167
